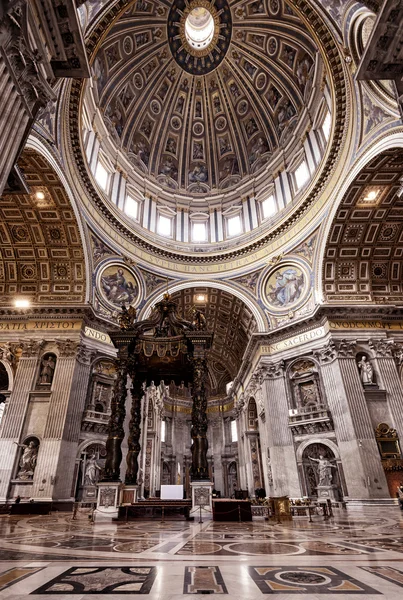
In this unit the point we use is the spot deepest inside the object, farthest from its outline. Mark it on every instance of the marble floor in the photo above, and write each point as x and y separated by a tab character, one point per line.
355	553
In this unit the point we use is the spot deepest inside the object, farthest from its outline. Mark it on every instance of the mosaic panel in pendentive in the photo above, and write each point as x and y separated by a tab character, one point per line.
12	576
203	580
101	580
303	580
389	573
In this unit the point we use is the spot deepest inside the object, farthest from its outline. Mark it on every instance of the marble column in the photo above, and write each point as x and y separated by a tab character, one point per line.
363	472
13	421
279	436
50	464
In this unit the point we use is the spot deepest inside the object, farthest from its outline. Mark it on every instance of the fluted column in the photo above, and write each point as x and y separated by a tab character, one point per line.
50	455
13	420
362	469
279	438
116	424
386	354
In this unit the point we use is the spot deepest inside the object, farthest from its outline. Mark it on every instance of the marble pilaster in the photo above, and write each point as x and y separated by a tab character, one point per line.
14	418
363	472
279	438
386	355
50	467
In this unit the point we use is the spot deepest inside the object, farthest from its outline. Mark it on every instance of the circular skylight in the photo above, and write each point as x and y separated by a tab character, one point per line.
199	28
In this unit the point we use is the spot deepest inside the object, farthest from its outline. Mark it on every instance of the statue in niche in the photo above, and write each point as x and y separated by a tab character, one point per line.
28	460
366	371
92	471
324	470
48	365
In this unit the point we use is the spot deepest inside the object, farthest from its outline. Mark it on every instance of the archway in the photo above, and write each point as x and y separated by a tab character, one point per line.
363	255
313	480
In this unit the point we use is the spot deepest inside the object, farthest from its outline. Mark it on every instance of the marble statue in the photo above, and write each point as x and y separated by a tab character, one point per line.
28	460
48	365
324	470
92	471
366	371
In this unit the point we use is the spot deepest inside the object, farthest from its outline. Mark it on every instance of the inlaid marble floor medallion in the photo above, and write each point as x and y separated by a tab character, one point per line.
312	580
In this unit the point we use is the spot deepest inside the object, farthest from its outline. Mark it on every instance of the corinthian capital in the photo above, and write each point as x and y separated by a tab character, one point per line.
67	348
31	348
384	348
326	354
274	369
345	348
84	355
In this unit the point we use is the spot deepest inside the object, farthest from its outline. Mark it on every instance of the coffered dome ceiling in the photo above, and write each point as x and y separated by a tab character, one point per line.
203	97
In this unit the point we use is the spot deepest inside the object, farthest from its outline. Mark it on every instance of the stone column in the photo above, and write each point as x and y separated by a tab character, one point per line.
279	436
363	472
15	415
46	474
116	424
386	354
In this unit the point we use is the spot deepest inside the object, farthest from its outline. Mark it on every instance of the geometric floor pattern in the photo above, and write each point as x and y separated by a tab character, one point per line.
357	553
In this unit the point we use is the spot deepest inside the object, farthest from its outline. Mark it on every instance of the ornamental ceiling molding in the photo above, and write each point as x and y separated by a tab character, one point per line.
342	113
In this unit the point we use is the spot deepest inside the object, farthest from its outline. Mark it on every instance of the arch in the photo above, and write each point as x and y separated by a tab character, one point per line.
33	143
392	141
325	442
362	256
87	443
10	374
257	312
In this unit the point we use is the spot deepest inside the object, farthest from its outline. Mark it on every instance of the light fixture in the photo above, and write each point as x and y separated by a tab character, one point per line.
21	303
200	298
40	195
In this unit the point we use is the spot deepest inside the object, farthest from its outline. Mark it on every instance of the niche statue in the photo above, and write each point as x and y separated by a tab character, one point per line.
366	371
47	372
324	469
28	460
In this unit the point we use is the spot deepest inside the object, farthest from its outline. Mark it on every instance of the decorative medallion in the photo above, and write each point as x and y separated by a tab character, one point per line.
199	34
118	285
285	286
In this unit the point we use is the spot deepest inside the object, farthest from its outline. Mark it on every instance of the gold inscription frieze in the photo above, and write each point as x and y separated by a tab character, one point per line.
34	325
292	342
100	336
344	325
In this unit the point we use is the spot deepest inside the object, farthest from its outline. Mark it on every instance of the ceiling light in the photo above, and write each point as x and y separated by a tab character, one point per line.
200	298
40	195
22	303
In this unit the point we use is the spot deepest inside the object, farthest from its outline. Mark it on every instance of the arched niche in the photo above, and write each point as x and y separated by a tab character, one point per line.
90	462
28	458
308	459
46	372
307	392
